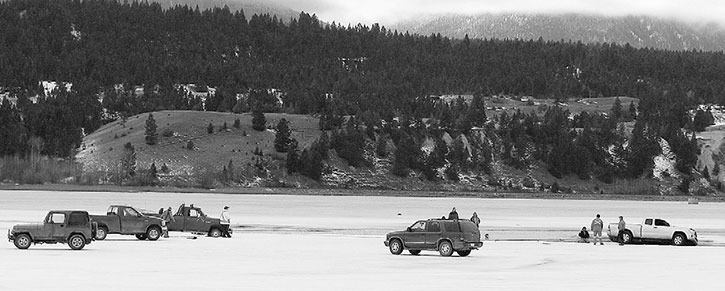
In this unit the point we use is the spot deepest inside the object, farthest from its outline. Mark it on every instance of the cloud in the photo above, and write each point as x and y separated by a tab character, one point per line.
392	11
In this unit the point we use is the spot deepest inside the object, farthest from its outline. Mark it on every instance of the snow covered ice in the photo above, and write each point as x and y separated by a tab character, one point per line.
284	242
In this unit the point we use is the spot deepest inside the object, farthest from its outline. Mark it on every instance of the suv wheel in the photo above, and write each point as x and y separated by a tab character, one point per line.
76	242
101	233
414	252
153	233
141	236
22	241
396	246
464	253
445	248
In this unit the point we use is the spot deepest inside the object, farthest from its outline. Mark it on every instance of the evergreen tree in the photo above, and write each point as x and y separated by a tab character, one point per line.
153	173
210	128
702	120
237	124
716	170
259	123
477	112
282	138
632	110
706	173
151	135
617	109
128	162
381	146
293	159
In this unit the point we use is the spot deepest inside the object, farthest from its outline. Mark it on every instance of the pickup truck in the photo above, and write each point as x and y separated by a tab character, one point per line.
122	219
60	226
654	230
192	219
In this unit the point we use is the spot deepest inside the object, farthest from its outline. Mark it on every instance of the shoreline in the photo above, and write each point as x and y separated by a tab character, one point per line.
358	192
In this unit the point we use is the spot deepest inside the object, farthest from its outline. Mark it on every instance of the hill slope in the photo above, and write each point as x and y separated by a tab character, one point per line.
103	148
638	31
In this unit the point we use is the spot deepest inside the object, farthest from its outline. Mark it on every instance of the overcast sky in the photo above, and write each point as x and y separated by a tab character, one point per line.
391	11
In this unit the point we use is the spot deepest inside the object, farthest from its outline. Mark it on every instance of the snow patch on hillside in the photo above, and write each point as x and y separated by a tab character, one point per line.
664	163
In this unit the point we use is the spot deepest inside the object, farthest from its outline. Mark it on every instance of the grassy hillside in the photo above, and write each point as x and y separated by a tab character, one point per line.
102	149
596	105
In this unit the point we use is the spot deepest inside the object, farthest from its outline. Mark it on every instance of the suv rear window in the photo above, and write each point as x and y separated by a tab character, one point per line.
451	226
78	219
469	227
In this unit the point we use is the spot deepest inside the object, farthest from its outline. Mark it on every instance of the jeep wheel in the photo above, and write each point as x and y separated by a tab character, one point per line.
141	236
464	253
101	233
396	247
445	248
153	233
76	242
679	240
215	232
22	241
627	237
414	252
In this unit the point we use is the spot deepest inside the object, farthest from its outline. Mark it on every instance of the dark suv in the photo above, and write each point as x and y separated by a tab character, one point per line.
444	236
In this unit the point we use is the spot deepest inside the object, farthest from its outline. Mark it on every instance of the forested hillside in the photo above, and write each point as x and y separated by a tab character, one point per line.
375	90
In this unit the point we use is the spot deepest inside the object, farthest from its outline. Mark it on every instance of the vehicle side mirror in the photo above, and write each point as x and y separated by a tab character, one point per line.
408	229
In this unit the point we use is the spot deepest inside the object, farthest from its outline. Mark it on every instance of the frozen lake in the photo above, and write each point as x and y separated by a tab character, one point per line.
284	242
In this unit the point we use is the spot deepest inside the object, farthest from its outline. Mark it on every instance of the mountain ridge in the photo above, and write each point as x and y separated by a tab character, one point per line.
638	31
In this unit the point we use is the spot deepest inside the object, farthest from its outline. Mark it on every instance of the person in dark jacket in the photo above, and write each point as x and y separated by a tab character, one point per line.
167	217
584	235
621	226
453	215
475	219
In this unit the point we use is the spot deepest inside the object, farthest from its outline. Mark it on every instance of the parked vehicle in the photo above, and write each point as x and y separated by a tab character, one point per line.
122	219
192	219
654	230
444	236
60	226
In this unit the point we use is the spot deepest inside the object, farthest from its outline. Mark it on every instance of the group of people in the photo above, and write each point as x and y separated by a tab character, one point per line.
453	215
597	227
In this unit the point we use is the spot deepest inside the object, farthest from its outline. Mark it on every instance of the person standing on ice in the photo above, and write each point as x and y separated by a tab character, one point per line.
225	220
597	226
621	227
453	215
475	219
166	218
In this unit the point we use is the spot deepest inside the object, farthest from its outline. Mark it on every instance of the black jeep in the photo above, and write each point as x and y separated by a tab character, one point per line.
444	236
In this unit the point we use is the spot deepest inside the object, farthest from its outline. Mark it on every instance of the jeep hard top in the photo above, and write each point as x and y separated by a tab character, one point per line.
60	226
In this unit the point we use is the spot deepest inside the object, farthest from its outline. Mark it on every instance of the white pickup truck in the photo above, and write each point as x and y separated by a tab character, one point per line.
654	230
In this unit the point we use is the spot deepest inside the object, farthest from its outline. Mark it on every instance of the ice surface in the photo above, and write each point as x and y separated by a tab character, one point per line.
284	242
